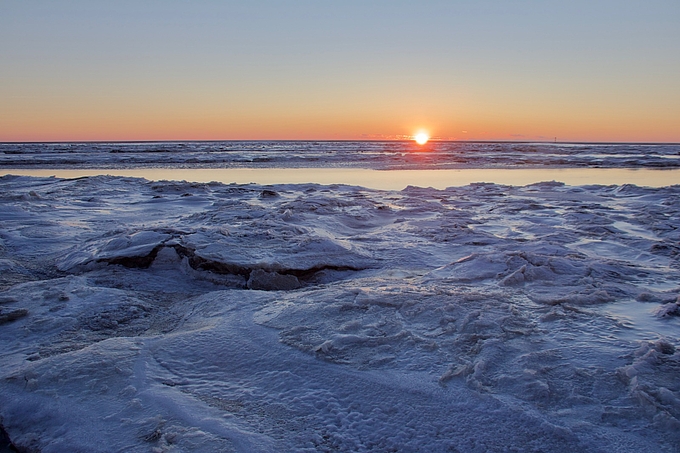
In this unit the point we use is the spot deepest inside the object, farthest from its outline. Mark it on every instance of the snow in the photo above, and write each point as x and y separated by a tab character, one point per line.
172	316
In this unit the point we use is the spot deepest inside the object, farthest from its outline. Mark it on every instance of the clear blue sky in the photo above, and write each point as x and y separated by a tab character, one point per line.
579	70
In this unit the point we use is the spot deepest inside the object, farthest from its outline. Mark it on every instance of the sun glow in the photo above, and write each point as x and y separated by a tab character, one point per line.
421	138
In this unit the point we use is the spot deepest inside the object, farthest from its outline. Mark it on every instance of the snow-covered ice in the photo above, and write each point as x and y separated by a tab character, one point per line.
158	316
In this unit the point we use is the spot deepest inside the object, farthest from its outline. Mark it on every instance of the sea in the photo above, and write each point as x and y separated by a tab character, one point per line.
390	165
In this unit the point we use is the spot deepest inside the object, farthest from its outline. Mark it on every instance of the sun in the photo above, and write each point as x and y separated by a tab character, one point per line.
421	138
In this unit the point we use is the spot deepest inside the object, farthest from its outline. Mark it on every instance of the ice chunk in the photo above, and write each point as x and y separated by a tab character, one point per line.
652	381
666	310
134	250
472	268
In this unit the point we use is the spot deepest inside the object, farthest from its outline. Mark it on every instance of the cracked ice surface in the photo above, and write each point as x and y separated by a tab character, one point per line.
174	316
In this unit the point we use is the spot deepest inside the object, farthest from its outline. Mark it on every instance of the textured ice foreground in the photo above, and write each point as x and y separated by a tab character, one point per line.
167	316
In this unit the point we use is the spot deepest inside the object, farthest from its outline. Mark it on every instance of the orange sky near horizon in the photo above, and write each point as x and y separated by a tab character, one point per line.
148	121
266	71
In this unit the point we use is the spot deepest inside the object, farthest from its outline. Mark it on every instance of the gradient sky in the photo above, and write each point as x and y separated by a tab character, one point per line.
595	70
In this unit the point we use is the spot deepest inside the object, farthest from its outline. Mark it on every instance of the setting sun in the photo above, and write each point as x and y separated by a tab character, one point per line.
421	138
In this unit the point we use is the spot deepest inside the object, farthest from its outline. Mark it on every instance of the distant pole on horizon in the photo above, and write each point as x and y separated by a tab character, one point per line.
555	139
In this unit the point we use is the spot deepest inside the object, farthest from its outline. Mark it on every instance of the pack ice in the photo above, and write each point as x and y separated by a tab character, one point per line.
145	316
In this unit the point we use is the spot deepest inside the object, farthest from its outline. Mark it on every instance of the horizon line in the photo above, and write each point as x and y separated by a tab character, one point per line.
340	140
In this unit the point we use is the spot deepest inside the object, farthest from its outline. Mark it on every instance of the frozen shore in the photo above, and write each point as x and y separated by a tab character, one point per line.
175	316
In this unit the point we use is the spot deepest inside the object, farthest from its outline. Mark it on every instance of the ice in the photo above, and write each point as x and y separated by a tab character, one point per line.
263	280
652	382
158	316
8	314
669	309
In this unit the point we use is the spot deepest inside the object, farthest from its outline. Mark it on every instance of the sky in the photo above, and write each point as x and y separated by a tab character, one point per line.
595	70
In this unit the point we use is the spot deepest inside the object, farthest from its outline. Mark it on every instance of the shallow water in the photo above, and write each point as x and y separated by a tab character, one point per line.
382	179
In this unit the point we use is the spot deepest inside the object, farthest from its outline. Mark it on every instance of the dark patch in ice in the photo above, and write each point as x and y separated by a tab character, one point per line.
6	445
272	281
143	261
11	314
266	193
256	277
117	318
665	249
